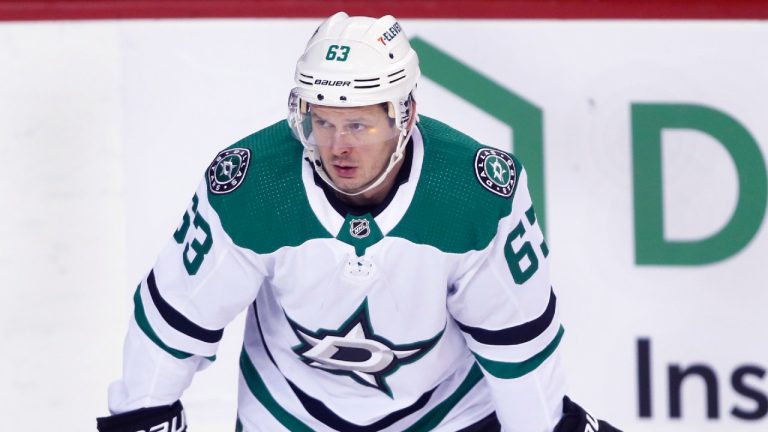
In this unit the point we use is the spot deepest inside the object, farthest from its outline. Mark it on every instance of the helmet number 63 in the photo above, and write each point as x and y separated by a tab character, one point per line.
338	53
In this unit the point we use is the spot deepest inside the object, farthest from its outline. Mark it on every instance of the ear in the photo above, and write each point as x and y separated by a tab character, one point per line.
412	119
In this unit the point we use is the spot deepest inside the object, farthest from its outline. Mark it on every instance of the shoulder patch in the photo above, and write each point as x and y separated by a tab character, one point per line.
228	169
495	170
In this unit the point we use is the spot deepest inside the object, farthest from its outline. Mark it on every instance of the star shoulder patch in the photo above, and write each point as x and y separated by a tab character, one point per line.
495	170
227	171
356	351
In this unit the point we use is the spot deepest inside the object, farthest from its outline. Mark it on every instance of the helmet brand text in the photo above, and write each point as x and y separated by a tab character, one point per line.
333	83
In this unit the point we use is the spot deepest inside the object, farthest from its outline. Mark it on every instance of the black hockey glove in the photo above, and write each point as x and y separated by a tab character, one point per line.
577	419
166	418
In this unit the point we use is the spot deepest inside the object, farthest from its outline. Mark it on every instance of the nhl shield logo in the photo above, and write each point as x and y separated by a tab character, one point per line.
228	170
359	228
495	170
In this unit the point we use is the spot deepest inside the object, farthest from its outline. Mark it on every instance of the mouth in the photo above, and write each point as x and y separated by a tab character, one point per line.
345	171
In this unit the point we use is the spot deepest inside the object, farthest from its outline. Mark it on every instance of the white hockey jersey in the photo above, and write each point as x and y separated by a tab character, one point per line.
430	314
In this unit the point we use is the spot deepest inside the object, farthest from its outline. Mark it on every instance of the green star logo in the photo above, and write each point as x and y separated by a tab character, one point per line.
356	351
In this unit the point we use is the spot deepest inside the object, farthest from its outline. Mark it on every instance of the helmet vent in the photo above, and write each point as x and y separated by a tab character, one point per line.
397	79
367	80
309	77
395	73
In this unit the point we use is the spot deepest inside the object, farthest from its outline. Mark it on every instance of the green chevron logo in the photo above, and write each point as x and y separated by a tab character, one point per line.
524	118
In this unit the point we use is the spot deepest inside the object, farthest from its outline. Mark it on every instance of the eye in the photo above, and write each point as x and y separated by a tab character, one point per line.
320	123
357	127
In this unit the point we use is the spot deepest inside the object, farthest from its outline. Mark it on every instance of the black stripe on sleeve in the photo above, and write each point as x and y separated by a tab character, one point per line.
178	321
516	335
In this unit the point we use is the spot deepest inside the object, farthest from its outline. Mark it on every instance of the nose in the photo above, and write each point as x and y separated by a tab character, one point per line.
342	142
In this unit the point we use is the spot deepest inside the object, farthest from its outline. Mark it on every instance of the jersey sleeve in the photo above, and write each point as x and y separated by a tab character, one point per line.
506	308
199	283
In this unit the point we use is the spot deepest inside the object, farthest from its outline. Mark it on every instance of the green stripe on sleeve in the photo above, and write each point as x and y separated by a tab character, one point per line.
505	370
143	322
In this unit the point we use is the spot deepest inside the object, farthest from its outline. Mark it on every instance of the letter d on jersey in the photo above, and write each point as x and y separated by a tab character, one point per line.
352	352
651	247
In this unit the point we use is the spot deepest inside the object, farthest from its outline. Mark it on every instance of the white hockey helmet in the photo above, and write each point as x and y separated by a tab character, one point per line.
352	62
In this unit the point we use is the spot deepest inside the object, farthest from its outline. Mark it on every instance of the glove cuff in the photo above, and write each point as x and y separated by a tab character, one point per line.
169	418
577	419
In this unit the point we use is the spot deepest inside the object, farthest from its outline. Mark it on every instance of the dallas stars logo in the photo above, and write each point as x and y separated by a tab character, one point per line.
356	351
495	170
228	170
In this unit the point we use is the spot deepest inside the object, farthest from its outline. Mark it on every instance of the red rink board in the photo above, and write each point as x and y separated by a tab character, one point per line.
508	9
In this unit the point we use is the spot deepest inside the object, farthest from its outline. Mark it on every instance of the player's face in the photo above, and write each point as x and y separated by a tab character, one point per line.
355	143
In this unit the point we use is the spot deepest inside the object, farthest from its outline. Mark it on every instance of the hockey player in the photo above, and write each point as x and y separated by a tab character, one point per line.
395	275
